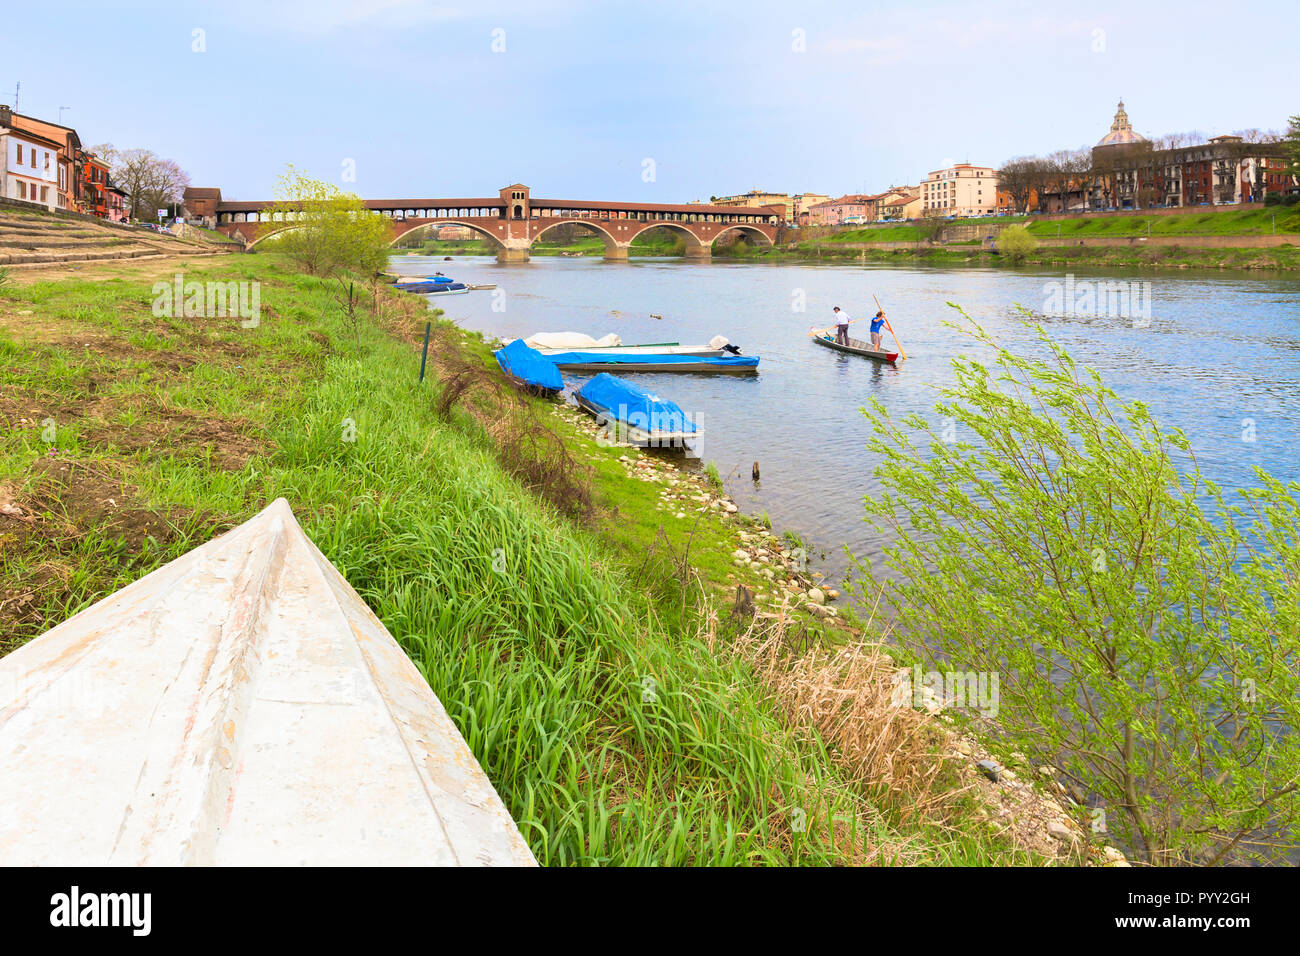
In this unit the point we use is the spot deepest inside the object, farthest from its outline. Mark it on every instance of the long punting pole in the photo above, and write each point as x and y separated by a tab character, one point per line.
902	352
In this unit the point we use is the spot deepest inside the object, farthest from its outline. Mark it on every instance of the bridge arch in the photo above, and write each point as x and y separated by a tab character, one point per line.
695	246
494	241
265	232
747	231
593	224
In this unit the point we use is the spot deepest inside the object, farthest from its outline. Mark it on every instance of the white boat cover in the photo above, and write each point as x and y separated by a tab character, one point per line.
240	705
571	341
719	342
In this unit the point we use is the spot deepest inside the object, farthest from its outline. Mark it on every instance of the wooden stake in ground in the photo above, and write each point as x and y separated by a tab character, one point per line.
902	352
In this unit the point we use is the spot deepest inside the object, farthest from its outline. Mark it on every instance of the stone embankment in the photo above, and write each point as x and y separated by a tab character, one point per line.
29	239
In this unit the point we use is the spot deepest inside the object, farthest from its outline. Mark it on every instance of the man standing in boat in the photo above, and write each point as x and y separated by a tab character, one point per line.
877	324
842	321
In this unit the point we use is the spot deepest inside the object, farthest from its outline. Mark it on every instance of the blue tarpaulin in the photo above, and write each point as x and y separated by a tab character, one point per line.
529	366
437	284
625	402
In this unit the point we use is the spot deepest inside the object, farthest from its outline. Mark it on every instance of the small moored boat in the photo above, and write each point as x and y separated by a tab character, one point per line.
558	343
239	706
857	347
634	415
528	370
427	285
655	361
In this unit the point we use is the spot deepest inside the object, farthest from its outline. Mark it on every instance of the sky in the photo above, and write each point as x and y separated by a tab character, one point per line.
660	101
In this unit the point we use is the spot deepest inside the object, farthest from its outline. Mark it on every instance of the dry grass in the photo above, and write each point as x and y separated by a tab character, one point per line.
527	447
846	694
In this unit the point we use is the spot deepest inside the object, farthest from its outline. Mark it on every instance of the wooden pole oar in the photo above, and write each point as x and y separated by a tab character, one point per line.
824	331
902	352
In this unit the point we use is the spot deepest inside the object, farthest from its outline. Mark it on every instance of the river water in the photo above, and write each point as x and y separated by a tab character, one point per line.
1219	357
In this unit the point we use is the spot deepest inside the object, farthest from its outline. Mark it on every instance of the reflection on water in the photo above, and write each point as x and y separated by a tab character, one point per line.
1218	351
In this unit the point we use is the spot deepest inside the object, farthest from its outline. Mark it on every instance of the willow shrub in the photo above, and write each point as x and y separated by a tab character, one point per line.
332	231
1144	630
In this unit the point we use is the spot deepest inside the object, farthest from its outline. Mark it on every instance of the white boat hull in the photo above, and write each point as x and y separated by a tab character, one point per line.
238	706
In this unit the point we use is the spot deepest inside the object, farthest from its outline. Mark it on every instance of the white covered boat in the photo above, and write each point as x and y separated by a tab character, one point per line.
563	343
240	705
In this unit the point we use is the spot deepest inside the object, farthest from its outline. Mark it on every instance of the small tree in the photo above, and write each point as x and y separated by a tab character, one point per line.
1016	242
1146	632
1292	142
327	231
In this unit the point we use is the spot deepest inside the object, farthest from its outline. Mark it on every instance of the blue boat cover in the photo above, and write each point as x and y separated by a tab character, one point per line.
529	366
635	406
428	285
591	358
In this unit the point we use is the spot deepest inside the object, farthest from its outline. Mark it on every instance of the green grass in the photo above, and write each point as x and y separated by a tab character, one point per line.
1210	222
580	675
1232	222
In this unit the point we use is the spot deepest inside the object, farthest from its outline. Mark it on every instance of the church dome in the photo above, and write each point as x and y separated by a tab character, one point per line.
1121	131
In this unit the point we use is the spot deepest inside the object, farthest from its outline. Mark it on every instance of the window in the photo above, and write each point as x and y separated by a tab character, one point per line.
22	189
33	152
19	147
45	193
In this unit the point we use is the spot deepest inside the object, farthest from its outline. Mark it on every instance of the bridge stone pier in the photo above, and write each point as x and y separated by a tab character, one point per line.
514	219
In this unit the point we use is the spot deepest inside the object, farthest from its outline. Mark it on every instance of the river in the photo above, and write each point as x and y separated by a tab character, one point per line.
1219	358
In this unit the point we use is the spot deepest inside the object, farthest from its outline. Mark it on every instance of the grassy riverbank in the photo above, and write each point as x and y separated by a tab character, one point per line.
1279	259
571	607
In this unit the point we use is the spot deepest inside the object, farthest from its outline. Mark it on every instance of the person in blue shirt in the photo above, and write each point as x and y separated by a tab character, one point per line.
877	323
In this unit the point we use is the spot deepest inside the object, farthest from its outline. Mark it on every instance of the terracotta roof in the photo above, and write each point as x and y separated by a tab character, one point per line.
34	137
495	202
72	133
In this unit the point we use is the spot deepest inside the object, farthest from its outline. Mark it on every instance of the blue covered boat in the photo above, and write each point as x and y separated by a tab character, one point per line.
633	415
653	362
429	284
529	370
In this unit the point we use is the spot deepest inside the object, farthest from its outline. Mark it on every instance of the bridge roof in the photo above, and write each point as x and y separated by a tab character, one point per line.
654	206
495	202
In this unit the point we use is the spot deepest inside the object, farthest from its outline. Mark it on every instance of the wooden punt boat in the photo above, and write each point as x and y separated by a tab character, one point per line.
238	706
857	347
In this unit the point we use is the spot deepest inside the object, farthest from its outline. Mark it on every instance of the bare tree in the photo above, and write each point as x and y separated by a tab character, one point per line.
150	181
1017	177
